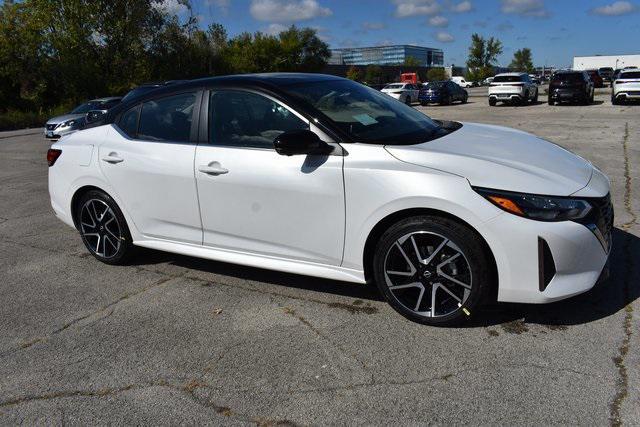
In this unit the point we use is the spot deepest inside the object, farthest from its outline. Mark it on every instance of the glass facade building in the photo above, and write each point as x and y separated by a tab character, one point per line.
387	55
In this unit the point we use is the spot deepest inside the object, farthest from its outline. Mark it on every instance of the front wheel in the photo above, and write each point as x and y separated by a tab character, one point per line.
103	228
535	97
492	102
407	100
432	270
550	101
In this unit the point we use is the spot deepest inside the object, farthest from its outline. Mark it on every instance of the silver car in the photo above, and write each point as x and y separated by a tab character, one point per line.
57	127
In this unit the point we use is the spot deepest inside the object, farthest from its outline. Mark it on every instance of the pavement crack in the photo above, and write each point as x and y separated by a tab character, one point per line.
107	310
627	181
622	382
291	312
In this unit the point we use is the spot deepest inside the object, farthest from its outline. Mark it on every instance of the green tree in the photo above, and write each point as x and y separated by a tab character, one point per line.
436	74
374	74
483	54
411	61
522	61
353	73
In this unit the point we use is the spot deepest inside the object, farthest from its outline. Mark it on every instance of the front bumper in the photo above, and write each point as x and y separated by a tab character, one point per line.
58	132
541	262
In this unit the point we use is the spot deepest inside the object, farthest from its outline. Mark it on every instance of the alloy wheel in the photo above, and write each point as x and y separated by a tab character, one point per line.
100	229
428	274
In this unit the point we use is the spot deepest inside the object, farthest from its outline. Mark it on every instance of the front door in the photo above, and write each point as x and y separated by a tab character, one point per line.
256	201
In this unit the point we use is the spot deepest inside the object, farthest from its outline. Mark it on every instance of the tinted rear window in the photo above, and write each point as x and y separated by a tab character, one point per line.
506	79
568	77
630	75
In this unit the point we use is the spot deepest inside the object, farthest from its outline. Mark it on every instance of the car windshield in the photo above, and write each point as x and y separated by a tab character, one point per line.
86	107
506	79
394	86
138	91
630	75
434	85
366	114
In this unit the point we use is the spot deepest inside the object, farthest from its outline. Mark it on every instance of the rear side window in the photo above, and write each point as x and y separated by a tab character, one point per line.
167	119
246	119
129	121
507	79
630	75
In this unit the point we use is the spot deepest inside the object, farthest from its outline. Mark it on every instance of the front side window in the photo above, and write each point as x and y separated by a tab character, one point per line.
129	121
167	119
365	114
246	119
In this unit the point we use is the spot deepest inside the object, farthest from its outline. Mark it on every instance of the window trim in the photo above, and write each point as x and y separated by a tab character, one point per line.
204	131
195	119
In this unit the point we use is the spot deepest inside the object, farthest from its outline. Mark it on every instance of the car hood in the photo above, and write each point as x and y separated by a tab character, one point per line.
501	158
64	118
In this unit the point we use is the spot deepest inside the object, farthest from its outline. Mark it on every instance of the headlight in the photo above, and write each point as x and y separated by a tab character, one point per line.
533	206
69	123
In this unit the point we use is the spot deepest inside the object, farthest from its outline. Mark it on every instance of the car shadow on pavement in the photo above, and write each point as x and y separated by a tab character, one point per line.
605	299
254	274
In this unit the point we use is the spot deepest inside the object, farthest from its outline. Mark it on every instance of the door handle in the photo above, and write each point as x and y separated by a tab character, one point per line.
213	168
112	158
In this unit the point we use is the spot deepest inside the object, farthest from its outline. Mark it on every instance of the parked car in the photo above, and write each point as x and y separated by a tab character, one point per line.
534	79
147	87
514	88
606	73
442	92
322	176
460	81
571	86
403	92
73	121
487	81
595	78
626	87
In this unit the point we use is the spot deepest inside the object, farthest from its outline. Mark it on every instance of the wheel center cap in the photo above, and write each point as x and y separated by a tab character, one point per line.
427	274
101	228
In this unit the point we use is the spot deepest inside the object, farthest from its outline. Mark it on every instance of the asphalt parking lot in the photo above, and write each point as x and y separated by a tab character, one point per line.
171	339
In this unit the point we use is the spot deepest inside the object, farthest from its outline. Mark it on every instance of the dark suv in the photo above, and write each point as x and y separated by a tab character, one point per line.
443	93
571	86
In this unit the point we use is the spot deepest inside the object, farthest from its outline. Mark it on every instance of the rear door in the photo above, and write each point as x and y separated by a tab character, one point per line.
255	201
148	160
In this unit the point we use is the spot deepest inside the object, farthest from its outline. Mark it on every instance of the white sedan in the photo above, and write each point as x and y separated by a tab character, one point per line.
321	176
403	92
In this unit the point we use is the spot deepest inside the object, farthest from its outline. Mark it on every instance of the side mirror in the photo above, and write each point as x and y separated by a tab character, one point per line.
94	117
296	142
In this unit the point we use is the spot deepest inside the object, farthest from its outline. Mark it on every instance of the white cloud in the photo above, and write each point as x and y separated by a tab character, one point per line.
463	7
533	8
287	10
373	26
444	37
223	5
171	7
438	21
275	29
616	8
405	8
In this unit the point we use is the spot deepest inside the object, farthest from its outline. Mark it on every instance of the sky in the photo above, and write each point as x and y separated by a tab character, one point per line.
555	30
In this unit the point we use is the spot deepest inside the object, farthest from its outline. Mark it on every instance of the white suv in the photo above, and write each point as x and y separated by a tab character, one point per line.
514	88
626	86
403	92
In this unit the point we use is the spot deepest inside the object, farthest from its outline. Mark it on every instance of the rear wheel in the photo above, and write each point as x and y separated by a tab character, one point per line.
407	100
550	101
465	98
103	228
492	102
535	97
432	270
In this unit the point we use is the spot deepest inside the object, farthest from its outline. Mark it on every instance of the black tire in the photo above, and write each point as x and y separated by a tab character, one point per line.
407	100
492	102
465	99
550	101
108	220
473	268
525	100
535	98
424	104
615	100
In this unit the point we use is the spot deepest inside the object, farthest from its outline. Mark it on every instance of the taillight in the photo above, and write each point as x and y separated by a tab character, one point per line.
52	156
